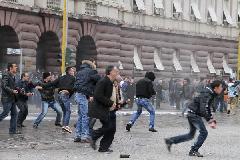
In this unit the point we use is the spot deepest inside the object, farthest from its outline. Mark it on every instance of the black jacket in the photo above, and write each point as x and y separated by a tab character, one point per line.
102	102
188	91
47	94
24	87
8	85
171	86
86	78
65	82
178	90
201	104
144	88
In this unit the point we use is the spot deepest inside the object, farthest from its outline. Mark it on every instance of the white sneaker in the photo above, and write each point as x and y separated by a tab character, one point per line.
67	129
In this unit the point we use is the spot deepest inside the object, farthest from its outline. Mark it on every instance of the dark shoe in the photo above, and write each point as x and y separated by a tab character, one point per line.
75	125
93	144
152	130
169	144
16	132
228	112
23	126
35	126
128	127
77	139
19	126
105	150
58	125
195	153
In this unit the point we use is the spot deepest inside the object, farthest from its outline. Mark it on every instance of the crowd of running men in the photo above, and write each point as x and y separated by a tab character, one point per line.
99	97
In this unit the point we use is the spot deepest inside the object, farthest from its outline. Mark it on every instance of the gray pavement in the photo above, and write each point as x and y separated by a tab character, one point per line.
49	143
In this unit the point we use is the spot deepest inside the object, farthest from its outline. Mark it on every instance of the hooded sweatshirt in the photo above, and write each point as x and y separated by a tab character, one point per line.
144	87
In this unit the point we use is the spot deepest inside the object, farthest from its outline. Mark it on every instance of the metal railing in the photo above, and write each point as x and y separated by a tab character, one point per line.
54	4
10	1
91	9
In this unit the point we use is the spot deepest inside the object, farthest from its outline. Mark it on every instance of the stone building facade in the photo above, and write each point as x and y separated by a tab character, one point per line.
176	38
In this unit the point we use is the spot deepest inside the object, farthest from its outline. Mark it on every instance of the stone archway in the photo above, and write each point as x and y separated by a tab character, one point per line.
86	49
8	39
48	53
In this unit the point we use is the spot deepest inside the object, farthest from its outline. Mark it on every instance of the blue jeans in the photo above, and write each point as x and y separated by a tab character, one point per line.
64	101
10	107
144	103
195	123
82	128
54	105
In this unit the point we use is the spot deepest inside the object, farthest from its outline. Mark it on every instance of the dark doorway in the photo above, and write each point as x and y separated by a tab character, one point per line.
86	50
8	39
48	53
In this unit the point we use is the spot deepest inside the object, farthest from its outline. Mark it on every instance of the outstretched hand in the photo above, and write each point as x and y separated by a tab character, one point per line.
15	91
213	125
38	87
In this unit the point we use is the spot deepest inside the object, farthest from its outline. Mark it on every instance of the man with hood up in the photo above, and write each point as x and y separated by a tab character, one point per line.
144	91
86	80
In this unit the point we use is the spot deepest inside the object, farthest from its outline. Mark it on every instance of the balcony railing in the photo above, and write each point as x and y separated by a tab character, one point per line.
10	1
54	4
91	9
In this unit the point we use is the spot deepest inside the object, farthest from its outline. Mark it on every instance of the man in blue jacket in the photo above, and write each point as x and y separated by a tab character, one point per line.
85	83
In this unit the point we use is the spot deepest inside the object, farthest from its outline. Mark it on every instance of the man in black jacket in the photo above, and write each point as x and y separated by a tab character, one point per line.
199	107
48	101
178	90
8	98
101	110
25	91
158	89
144	91
131	93
86	80
171	92
65	86
188	91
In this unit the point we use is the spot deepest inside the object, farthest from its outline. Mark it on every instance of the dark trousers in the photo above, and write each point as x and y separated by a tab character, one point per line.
158	101
195	123
10	107
107	130
23	112
178	102
92	122
171	99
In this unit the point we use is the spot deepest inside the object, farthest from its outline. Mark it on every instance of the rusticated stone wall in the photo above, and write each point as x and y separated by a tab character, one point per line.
113	43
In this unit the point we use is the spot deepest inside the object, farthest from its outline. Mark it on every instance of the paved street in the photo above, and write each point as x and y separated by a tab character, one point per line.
48	141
